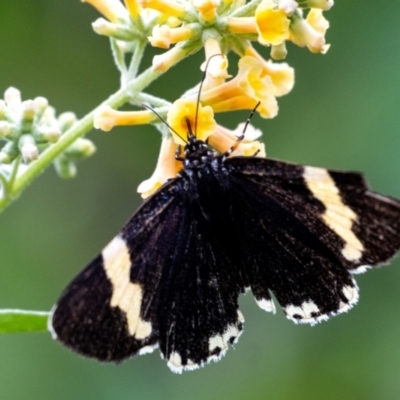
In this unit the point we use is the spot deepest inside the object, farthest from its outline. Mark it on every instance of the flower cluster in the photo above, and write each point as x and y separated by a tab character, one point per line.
25	126
219	26
28	127
228	25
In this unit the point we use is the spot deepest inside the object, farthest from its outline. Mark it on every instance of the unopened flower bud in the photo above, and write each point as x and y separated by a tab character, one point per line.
103	27
8	153
81	148
41	105
48	134
65	169
28	148
5	129
66	120
49	114
12	96
28	108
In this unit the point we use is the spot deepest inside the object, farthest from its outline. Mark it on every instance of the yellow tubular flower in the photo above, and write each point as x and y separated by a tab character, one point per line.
216	62
242	25
105	118
272	23
279	51
160	37
133	7
224	139
303	33
163	36
281	74
167	168
173	22
249	87
253	149
182	117
165	61
226	3
317	21
113	10
167	7
207	9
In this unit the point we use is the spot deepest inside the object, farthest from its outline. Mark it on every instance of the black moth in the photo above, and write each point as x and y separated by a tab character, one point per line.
171	278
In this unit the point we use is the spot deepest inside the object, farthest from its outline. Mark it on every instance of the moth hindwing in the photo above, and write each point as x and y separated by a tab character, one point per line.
172	277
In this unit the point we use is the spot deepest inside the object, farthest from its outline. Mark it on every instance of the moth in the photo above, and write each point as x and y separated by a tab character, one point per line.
172	277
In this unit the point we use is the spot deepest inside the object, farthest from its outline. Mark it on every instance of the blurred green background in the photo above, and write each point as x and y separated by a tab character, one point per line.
343	113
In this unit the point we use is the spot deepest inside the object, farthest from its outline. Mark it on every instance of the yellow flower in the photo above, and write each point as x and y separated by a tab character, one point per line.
207	9
167	168
250	86
133	7
105	118
216	63
165	61
317	21
182	119
279	52
163	36
272	23
310	32
281	74
167	7
113	10
224	139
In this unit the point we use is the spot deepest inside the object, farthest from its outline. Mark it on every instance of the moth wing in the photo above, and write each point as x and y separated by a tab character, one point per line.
361	227
163	281
296	252
104	313
198	314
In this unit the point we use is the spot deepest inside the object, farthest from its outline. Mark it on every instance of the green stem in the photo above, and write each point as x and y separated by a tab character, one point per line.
14	172
148	98
136	59
4	183
14	321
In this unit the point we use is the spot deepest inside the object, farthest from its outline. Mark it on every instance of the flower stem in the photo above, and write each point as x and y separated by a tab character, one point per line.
136	59
14	172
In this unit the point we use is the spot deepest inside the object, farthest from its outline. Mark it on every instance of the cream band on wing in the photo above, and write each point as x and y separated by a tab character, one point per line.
127	296
337	215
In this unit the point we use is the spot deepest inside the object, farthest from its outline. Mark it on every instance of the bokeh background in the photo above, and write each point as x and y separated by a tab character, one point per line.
343	113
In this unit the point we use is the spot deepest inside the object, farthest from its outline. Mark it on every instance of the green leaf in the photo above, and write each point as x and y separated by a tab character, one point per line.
14	321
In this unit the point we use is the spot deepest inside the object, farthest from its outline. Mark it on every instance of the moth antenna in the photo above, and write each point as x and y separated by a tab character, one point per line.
163	120
242	136
200	88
